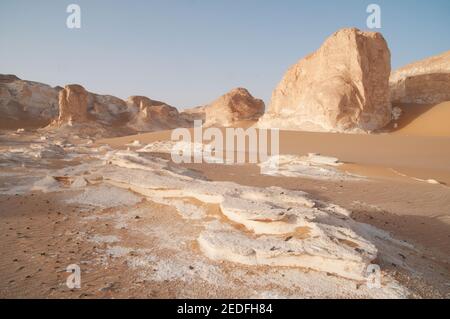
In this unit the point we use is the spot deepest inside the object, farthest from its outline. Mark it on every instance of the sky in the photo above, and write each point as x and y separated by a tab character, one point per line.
189	52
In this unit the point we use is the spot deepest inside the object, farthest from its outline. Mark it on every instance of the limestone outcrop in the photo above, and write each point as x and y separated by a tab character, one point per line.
342	87
233	107
26	104
255	226
107	110
423	82
73	104
151	115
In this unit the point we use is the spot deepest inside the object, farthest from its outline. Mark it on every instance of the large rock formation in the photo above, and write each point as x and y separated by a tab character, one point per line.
255	226
233	107
26	104
73	104
151	115
423	82
344	86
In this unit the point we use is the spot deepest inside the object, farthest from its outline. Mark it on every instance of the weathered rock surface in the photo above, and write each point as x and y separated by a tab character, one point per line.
73	104
233	107
107	109
344	87
423	82
138	103
193	114
263	226
151	115
26	103
76	105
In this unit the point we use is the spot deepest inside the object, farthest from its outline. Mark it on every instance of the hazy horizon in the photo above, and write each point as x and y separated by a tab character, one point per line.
187	53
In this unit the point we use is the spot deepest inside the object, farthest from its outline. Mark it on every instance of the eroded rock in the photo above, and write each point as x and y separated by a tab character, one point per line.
233	107
343	87
151	115
73	104
278	227
25	104
423	82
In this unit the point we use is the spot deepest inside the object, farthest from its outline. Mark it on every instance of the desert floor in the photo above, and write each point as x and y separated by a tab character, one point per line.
130	246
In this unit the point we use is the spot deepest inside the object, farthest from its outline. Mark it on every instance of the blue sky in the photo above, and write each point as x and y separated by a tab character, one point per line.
189	52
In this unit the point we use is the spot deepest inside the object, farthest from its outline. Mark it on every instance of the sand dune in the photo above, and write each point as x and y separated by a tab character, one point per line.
424	120
417	147
424	157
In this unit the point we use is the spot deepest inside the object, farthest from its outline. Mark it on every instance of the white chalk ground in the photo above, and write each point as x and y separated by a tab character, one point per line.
270	242
313	166
105	196
328	242
204	151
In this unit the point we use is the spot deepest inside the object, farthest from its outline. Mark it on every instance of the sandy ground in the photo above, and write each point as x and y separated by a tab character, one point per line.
130	246
423	120
417	156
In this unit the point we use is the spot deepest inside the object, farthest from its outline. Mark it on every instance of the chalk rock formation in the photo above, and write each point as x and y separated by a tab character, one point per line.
263	226
26	104
138	103
422	82
313	166
107	109
344	86
193	114
232	107
151	115
73	104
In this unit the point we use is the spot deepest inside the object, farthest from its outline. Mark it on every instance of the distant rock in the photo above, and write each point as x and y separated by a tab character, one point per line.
229	109
233	107
151	115
26	104
73	109
108	110
90	115
8	78
73	104
195	113
423	82
141	102
342	87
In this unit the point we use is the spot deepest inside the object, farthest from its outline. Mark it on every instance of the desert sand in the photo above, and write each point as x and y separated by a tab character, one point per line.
89	180
79	204
404	189
424	120
89	204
